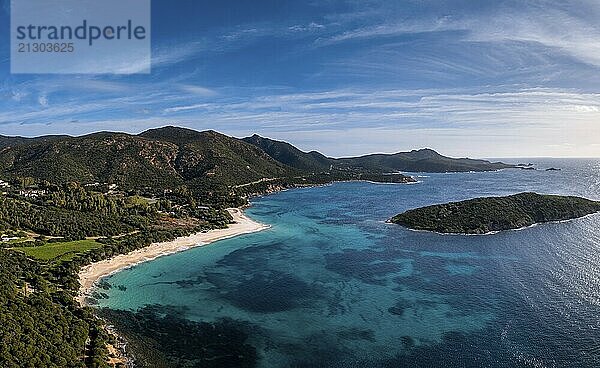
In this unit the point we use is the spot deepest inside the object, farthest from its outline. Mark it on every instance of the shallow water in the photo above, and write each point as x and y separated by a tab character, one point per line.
330	284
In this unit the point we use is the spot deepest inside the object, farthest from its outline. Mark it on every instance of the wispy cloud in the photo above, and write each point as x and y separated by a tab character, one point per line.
553	28
198	90
312	26
186	108
17	96
163	56
43	101
537	114
397	28
545	23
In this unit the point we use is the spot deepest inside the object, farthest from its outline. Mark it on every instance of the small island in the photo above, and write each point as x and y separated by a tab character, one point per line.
392	178
492	214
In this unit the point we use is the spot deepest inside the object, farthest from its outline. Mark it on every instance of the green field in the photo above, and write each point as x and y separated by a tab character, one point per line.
59	251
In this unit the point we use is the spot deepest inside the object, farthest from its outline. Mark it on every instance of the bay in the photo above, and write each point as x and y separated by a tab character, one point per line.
330	284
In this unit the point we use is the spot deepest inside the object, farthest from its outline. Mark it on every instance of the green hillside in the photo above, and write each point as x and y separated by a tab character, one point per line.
17	141
289	155
160	159
218	158
101	157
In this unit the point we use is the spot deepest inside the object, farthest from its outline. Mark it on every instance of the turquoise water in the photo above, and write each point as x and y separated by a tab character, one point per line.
330	284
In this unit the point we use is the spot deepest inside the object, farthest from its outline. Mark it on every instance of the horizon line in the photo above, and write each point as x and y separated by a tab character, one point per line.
279	140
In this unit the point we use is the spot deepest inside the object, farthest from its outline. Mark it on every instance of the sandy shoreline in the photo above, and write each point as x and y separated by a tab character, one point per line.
88	275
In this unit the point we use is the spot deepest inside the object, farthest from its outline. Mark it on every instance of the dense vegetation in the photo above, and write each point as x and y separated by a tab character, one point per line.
156	160
40	323
40	326
50	220
16	141
484	215
290	155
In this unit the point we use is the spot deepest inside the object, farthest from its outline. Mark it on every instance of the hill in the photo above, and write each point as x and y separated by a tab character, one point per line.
159	158
172	157
100	157
17	141
289	155
218	158
490	214
424	160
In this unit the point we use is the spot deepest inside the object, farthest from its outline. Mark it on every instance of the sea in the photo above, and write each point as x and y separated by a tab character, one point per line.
331	284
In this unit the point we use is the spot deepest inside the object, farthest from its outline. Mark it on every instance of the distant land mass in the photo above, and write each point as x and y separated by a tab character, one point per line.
491	214
171	157
16	141
423	160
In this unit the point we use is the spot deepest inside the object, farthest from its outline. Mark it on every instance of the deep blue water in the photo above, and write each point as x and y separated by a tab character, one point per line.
330	284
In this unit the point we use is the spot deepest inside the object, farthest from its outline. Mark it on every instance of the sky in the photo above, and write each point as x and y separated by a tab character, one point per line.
344	77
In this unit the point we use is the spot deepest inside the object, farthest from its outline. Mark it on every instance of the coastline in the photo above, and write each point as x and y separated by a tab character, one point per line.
497	231
90	274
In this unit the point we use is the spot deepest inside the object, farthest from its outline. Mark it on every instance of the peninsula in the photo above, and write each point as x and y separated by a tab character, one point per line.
492	214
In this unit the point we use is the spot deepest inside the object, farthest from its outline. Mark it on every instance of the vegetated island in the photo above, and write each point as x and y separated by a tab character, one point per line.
492	214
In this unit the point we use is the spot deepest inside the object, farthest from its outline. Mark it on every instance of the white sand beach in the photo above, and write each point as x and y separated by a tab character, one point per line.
95	271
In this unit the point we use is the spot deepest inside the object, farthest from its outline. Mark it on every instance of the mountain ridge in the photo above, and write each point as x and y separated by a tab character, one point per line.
168	157
9	141
418	160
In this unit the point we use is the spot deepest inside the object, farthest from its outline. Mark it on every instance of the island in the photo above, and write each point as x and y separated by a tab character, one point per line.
493	214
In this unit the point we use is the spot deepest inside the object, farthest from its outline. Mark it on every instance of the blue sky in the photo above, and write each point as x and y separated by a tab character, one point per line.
467	78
